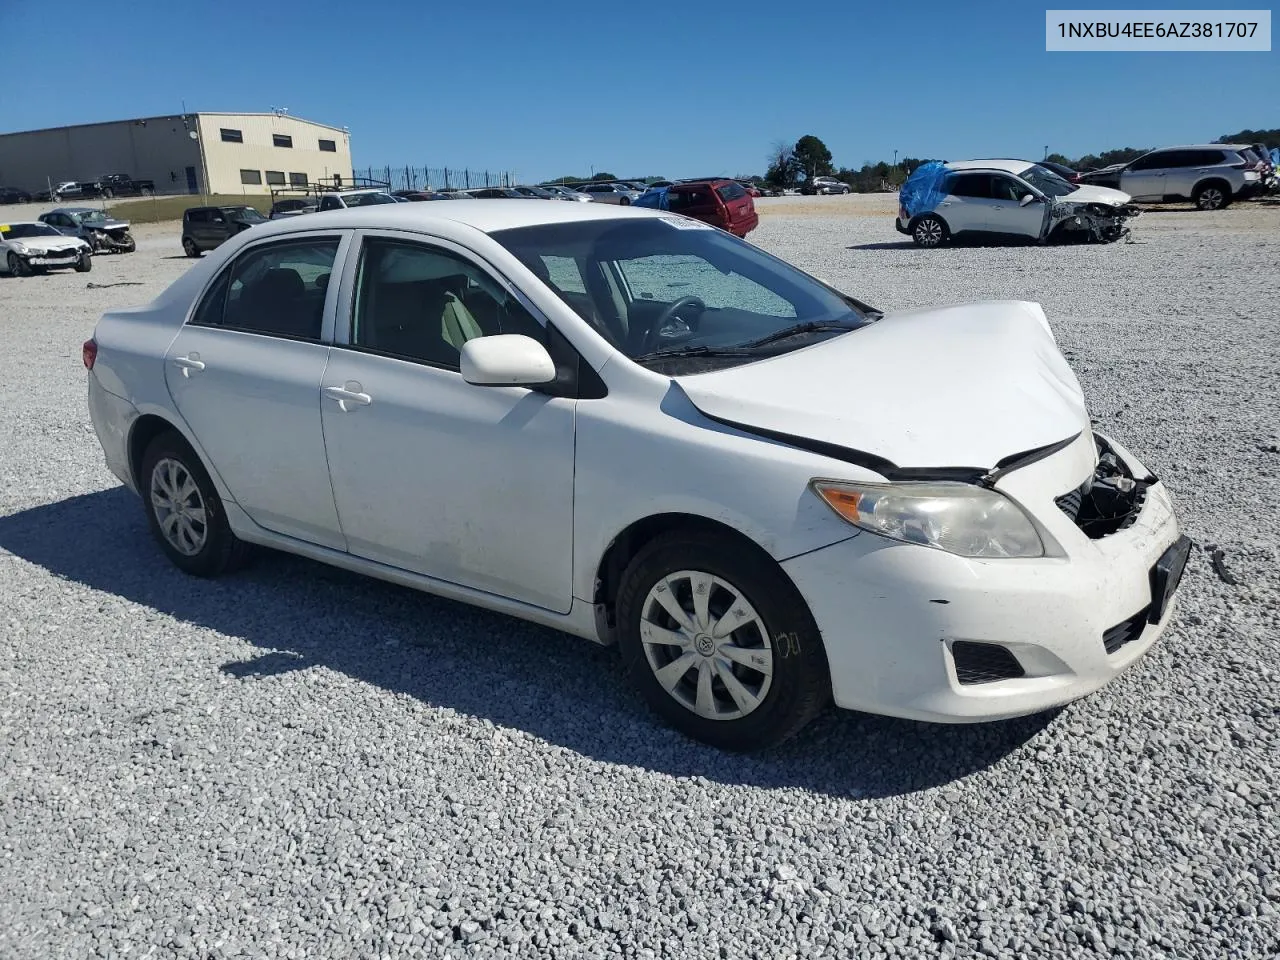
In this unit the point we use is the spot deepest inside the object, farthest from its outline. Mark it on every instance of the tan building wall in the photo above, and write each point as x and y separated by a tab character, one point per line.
151	148
233	166
163	149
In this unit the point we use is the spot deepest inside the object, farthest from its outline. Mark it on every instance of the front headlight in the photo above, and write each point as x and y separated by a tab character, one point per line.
959	518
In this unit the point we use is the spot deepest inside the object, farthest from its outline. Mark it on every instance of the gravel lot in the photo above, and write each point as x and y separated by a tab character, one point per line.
296	762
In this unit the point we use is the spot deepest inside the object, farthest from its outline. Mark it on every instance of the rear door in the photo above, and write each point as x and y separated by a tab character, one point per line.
245	374
1200	165
740	210
696	200
968	205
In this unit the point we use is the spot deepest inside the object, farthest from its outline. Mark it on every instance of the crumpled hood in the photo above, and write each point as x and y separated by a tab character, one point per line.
47	244
1088	193
959	386
106	225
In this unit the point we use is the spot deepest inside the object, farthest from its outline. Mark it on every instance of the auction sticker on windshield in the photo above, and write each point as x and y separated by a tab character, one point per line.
686	223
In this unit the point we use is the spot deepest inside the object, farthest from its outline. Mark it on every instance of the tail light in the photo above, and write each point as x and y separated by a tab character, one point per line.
89	353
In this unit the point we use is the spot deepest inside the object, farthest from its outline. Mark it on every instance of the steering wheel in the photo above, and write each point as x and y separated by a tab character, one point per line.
651	337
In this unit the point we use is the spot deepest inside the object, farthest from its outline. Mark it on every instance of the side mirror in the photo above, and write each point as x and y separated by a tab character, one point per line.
1026	199
506	360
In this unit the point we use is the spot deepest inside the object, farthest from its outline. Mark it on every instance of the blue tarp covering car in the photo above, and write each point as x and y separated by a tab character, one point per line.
655	197
926	186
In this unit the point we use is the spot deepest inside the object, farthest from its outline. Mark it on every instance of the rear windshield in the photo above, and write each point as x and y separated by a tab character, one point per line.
731	191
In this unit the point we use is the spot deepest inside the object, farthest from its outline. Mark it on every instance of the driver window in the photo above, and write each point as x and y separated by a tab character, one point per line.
974	185
422	303
666	278
1005	188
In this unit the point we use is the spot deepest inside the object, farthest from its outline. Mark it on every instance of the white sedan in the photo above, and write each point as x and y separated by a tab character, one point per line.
33	247
639	429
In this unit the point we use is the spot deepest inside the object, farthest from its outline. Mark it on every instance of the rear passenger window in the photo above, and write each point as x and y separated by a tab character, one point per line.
277	290
422	303
976	185
681	200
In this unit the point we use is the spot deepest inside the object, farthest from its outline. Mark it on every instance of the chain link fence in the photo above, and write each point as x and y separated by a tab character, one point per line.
437	178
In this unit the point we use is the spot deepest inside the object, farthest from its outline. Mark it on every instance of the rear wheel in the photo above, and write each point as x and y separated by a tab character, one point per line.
624	201
1214	195
719	641
189	247
929	231
184	510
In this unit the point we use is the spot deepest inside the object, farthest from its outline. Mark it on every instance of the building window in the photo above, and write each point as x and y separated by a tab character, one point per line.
297	179
231	136
280	140
275	178
251	177
329	146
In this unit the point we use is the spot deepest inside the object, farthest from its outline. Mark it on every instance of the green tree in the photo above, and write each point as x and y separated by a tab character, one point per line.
604	176
1269	137
813	157
1058	158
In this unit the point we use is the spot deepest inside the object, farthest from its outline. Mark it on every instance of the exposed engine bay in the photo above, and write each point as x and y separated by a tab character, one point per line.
1110	500
1069	222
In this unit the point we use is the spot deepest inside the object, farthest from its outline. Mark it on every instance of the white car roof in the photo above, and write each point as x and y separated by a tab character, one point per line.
484	215
1008	166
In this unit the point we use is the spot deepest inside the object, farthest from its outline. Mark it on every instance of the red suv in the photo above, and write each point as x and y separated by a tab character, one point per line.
721	203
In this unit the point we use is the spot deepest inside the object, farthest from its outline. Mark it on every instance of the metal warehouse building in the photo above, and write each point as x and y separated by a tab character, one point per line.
185	153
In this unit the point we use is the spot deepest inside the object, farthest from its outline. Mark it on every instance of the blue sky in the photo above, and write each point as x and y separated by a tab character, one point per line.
552	89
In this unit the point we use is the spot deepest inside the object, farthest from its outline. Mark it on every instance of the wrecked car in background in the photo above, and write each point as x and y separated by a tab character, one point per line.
1012	198
28	247
1210	175
101	232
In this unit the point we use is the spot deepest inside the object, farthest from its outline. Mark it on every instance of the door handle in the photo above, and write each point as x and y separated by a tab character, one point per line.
189	363
349	395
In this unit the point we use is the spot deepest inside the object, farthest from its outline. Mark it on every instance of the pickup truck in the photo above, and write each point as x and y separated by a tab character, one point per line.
122	185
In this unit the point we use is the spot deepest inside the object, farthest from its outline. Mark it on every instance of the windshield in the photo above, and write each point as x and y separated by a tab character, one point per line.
661	286
91	216
23	231
244	214
1046	181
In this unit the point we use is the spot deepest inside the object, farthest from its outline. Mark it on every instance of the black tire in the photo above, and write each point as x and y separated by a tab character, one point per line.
929	231
799	685
189	247
18	267
85	263
624	201
1211	195
219	550
107	194
130	245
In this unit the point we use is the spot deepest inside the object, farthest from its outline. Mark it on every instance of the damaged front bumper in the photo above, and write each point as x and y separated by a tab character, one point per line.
916	632
1096	222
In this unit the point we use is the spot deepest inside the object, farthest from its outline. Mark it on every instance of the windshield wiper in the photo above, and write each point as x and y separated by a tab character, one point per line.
809	326
698	351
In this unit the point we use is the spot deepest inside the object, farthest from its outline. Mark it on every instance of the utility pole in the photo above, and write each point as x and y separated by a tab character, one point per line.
1046	152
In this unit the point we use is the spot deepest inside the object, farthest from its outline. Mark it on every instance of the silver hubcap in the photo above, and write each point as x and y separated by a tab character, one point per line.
178	506
706	645
1210	199
929	232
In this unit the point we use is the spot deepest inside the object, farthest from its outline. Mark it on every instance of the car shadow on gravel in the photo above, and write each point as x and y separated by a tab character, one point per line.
517	675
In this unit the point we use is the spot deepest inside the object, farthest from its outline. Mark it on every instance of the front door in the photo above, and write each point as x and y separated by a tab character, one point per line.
472	485
245	374
1145	178
1007	214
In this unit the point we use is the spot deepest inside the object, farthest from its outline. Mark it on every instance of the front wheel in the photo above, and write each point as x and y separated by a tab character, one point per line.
19	267
929	231
128	245
719	641
189	247
624	201
85	263
184	510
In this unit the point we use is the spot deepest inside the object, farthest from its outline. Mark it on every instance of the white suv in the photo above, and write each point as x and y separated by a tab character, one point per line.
1210	175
